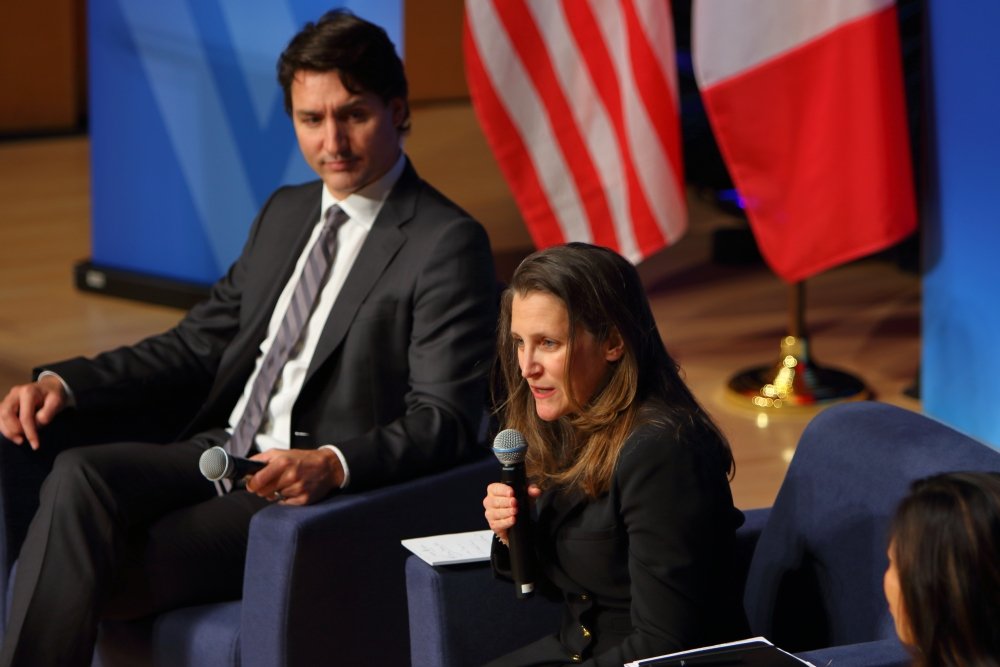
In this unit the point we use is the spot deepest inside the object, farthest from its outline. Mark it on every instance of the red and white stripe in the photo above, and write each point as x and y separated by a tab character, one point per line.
806	101
578	101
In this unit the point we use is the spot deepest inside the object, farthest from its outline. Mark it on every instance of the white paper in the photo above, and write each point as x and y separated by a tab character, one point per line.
452	548
752	640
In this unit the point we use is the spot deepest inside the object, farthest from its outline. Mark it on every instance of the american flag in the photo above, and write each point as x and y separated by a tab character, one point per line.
578	101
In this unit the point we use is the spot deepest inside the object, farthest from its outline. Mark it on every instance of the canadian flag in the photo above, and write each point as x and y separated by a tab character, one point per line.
578	102
806	101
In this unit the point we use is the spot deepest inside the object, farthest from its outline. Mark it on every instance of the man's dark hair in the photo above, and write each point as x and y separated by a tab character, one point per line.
359	51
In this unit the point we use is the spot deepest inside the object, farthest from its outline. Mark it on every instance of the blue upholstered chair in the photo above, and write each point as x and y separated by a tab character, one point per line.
324	584
813	562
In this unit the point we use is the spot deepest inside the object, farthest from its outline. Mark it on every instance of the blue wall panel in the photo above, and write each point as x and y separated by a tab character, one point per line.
188	130
960	381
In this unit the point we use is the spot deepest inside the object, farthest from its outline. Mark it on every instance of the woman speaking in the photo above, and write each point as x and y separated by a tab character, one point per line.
634	519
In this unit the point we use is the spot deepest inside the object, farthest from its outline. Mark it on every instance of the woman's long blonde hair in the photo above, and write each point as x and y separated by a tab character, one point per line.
603	296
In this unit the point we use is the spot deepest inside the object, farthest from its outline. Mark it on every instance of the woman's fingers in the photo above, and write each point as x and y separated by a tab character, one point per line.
500	508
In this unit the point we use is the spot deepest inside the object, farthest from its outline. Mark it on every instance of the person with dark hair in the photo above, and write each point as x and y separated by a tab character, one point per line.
347	347
359	51
943	579
629	474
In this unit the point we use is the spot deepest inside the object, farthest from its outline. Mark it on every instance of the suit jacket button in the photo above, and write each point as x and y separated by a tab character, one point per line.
585	632
576	657
584	597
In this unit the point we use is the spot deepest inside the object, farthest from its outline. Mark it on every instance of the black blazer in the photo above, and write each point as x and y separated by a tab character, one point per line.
643	569
398	381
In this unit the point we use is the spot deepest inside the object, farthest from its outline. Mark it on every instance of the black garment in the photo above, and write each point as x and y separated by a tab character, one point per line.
643	570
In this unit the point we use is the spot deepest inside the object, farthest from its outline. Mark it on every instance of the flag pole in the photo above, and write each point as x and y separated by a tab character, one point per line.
795	380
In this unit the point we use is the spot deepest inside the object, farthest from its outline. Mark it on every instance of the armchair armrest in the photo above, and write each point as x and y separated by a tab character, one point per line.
326	582
463	615
880	653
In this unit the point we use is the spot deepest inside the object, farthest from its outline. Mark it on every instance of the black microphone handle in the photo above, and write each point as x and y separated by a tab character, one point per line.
519	538
243	467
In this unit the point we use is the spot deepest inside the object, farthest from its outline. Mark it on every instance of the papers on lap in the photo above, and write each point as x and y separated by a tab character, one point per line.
452	548
755	652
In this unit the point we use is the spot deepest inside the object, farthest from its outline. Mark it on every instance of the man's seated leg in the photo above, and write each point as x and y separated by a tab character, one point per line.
23	469
191	556
93	498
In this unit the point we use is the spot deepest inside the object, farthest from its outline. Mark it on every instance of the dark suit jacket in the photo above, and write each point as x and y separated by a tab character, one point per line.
643	569
398	381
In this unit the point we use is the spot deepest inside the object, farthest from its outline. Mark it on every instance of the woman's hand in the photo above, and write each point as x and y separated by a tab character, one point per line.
501	507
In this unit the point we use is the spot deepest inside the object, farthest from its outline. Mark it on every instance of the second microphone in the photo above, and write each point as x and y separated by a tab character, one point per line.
217	464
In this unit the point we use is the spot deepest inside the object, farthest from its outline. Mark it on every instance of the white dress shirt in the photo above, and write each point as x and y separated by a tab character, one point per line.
362	207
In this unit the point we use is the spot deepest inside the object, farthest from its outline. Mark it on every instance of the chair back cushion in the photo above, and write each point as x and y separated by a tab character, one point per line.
815	579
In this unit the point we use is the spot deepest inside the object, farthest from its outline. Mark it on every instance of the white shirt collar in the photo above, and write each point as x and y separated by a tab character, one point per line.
364	205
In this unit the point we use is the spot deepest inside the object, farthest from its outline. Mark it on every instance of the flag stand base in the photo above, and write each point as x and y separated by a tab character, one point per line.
795	381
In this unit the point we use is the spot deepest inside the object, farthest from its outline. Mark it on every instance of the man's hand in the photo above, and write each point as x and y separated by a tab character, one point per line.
30	406
296	476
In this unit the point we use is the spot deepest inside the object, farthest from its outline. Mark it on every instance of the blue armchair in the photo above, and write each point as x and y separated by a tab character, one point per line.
813	562
324	584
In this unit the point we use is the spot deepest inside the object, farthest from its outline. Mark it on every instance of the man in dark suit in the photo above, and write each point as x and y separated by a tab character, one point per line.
379	377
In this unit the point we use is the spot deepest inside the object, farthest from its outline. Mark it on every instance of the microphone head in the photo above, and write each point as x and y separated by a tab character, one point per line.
214	463
509	446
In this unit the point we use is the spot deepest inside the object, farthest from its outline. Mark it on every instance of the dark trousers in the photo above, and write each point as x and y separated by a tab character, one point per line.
122	530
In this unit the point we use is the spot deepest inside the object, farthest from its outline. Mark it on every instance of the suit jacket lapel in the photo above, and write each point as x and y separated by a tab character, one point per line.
383	242
277	262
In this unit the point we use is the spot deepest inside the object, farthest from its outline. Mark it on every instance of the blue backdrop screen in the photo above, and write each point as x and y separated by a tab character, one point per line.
188	130
961	321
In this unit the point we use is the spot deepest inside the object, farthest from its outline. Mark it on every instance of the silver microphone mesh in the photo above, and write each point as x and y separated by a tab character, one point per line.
214	463
510	446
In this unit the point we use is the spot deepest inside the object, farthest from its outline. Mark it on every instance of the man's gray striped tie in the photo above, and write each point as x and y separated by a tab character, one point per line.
303	300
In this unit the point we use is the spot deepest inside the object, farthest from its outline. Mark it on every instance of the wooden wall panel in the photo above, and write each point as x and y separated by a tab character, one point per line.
42	66
50	92
432	44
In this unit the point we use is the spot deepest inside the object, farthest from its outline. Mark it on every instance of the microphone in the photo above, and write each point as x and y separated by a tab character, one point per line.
216	463
509	446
